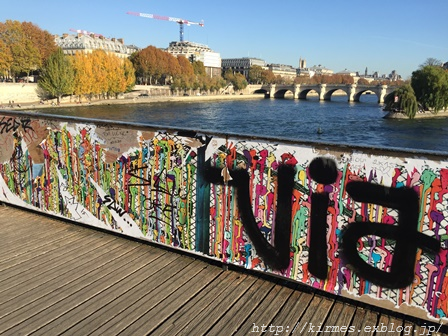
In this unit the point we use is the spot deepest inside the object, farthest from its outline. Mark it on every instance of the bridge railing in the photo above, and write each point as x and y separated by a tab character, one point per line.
368	223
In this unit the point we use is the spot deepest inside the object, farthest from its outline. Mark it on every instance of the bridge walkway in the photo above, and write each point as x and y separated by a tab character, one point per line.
59	278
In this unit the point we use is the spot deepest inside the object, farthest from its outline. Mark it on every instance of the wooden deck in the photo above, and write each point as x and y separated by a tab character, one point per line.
60	278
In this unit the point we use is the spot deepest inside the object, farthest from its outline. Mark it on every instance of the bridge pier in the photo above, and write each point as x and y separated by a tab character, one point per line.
272	90
382	94
322	91
296	91
352	93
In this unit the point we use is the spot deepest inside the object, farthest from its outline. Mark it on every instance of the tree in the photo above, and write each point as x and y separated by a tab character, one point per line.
5	58
431	62
129	75
42	40
83	70
363	81
57	77
28	45
187	77
430	85
100	74
267	77
238	80
198	68
403	100
255	74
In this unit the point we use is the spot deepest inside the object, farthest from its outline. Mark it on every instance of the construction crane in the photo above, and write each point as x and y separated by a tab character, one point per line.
84	32
181	22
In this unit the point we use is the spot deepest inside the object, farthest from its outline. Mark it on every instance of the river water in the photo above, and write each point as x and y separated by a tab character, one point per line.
360	123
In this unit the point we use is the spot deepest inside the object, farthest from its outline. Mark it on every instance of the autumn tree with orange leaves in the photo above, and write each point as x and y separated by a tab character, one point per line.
155	66
101	74
24	47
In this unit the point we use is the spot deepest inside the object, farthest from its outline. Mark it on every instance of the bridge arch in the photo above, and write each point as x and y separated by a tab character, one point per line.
329	93
282	93
303	93
358	94
261	91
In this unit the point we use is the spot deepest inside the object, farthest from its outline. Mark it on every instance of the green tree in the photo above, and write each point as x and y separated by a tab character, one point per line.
198	68
430	85
57	78
403	99
129	75
255	74
238	80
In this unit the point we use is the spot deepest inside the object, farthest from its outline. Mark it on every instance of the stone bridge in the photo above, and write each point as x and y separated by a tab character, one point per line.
325	91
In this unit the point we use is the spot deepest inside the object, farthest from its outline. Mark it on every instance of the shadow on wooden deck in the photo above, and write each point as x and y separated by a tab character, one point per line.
60	278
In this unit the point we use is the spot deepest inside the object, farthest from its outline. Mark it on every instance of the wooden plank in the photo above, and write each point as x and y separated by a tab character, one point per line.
331	324
139	305
370	321
383	322
304	323
209	316
229	323
395	326
291	313
358	318
167	270
266	311
15	235
80	281
35	233
26	252
321	313
191	309
50	249
97	302
37	287
24	319
150	320
44	262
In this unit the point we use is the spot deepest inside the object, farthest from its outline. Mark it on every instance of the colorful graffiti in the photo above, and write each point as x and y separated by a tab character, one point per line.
350	222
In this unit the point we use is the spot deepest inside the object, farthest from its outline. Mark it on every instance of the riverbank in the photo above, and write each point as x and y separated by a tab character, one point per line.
129	100
418	115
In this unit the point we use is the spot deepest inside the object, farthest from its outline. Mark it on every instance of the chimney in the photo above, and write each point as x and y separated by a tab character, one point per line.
64	35
121	40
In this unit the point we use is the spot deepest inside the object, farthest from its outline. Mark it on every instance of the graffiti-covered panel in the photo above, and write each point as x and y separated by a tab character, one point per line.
357	222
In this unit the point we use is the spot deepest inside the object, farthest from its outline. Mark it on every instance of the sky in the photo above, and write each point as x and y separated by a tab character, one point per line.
381	35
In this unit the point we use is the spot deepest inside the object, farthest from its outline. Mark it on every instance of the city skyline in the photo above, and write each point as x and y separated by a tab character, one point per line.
383	36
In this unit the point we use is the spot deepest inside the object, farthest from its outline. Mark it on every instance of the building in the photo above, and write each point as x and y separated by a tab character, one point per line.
241	65
198	52
314	70
347	72
70	44
285	71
